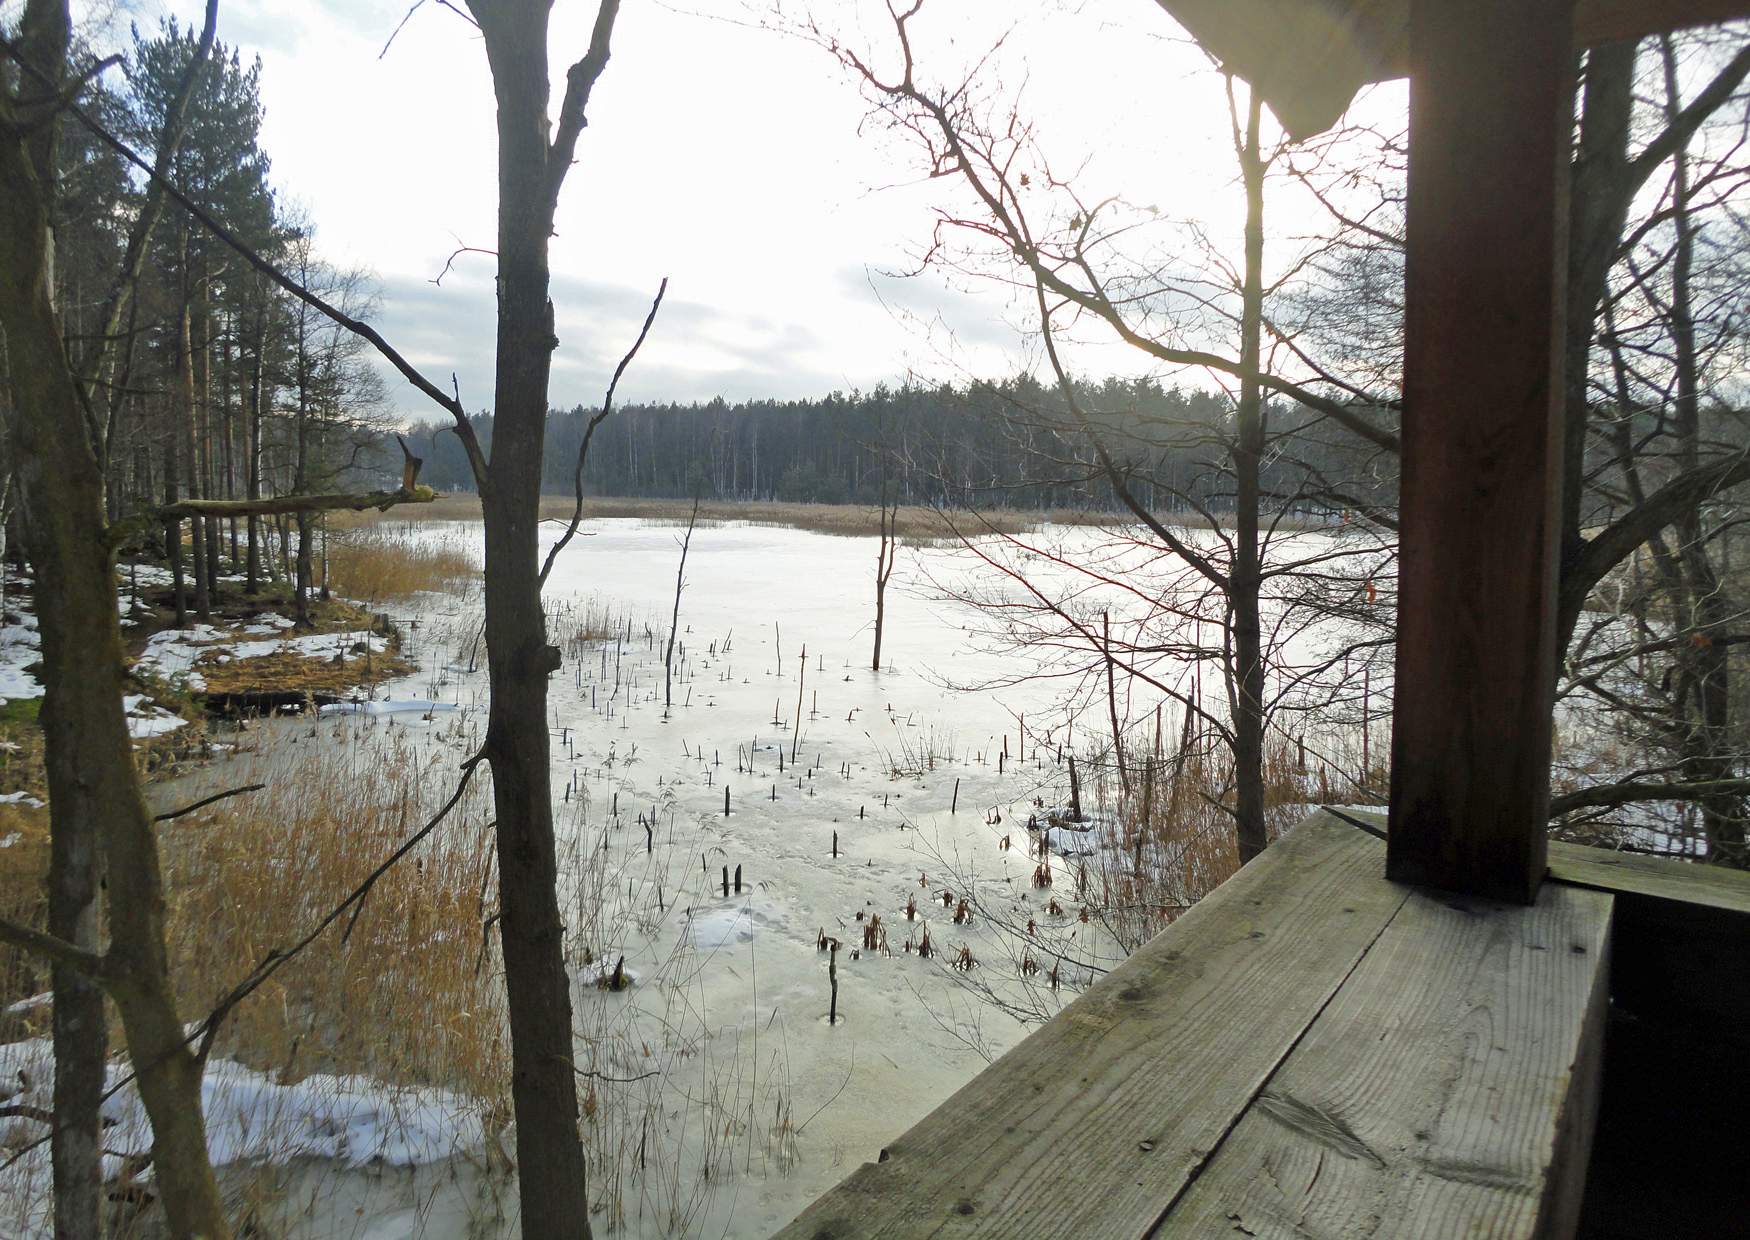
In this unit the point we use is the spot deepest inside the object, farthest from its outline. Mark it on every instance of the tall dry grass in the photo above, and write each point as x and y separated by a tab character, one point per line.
916	523
24	868
407	993
1169	840
384	562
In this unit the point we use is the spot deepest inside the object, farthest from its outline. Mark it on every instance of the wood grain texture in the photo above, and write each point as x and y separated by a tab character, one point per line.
1681	936
1491	104
1447	1090
1101	1116
1604	869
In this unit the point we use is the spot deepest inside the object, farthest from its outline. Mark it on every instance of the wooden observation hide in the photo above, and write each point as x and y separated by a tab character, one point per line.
1409	1029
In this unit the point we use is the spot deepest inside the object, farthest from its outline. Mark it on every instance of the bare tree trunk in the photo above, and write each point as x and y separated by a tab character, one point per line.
1246	579
229	353
173	528
203	603
253	450
674	623
301	466
551	1167
1706	743
95	805
884	556
204	405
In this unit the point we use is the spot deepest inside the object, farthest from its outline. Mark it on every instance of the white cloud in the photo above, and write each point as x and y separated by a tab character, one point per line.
731	159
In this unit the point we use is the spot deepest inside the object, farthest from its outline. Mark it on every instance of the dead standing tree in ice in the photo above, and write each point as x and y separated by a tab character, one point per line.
1064	254
674	623
884	558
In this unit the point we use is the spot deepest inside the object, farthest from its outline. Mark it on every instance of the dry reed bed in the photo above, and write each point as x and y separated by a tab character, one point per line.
408	993
377	562
412	993
916	523
1143	856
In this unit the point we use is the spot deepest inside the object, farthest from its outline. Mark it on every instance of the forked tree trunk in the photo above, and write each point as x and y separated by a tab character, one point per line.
550	1160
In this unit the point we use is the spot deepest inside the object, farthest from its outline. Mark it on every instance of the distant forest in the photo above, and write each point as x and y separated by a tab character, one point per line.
1009	444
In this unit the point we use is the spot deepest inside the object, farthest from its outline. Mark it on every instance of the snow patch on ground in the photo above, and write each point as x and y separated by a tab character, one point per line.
146	718
172	654
350	1120
20	646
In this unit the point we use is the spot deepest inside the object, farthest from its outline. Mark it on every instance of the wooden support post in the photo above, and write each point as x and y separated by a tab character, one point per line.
1491	119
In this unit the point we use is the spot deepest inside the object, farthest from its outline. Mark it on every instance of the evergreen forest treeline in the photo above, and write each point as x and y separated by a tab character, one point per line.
224	387
1006	444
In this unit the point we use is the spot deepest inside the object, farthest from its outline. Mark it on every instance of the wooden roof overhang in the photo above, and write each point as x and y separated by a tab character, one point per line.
1308	58
1485	271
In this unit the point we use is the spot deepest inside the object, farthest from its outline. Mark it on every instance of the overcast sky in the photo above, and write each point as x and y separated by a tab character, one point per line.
735	160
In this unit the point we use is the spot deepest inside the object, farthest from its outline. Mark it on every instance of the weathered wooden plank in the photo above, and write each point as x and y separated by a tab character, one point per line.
1491	104
1104	1113
1448	1089
1682	931
1603	869
1682	936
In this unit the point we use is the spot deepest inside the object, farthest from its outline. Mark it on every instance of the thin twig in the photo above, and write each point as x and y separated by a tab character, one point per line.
589	431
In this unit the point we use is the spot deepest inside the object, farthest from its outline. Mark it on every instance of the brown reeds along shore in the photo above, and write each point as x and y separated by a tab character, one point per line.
916	523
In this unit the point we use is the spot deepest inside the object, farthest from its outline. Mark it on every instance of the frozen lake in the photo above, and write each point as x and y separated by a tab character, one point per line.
720	1100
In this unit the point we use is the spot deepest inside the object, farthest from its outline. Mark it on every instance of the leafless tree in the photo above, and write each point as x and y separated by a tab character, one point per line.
1084	267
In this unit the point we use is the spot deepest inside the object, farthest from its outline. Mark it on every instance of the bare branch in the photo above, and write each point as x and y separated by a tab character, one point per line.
408	16
580	80
280	505
1619	540
1631	791
172	815
595	421
59	950
456	253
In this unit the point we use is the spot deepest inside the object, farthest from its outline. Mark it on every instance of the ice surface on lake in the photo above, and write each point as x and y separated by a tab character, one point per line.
904	765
